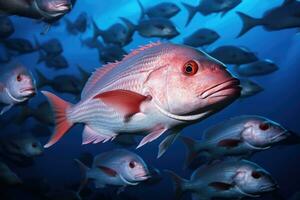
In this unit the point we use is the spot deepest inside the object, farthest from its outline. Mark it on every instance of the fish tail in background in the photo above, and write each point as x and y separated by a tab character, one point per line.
37	43
179	184
41	79
69	24
191	150
42	56
131	27
84	179
59	107
192	10
97	31
142	9
248	23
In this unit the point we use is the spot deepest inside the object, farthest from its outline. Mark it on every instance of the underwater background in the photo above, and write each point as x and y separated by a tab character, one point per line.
279	101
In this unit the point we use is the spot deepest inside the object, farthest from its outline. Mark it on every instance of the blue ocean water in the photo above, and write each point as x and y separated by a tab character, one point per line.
279	101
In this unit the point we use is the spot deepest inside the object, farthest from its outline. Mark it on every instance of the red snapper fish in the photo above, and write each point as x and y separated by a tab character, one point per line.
157	88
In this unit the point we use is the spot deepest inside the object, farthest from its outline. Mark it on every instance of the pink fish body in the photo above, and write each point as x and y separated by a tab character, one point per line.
159	87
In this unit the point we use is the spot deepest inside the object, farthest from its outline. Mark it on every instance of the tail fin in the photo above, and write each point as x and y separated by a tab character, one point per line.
42	80
42	57
248	23
142	9
191	150
84	179
192	10
59	107
179	184
131	27
97	31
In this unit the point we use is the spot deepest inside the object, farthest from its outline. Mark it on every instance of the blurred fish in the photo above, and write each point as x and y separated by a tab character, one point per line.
51	47
258	68
228	179
80	25
131	98
116	34
249	88
16	85
61	83
281	17
42	113
207	7
63	195
110	53
19	45
125	140
91	42
84	75
153	27
201	37
233	55
6	27
20	147
5	56
238	136
118	167
45	10
53	61
164	10
295	196
7	176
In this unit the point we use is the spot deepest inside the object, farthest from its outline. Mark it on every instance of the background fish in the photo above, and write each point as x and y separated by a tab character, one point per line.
228	179
16	85
118	167
238	136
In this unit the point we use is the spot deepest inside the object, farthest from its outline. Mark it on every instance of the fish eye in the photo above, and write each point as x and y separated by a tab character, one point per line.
190	68
264	126
19	77
34	145
256	175
132	164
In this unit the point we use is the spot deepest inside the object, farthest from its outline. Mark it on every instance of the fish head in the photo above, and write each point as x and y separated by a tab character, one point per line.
33	147
190	83
249	88
119	33
21	84
252	180
261	132
134	169
54	8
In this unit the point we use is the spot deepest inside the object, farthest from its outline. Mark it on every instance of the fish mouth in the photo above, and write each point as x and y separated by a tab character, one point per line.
63	6
268	188
28	92
281	136
227	88
142	177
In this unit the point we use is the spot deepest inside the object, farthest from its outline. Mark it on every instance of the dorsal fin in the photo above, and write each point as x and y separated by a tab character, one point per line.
102	71
97	75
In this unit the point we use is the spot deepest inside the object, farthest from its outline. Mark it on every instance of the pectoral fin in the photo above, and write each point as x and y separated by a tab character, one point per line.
229	143
6	108
221	186
124	101
108	171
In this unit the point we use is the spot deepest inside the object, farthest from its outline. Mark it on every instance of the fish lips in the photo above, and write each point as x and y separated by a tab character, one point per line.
28	92
227	88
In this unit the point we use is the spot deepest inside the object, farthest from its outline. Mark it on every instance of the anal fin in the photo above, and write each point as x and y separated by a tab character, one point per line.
156	132
91	135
